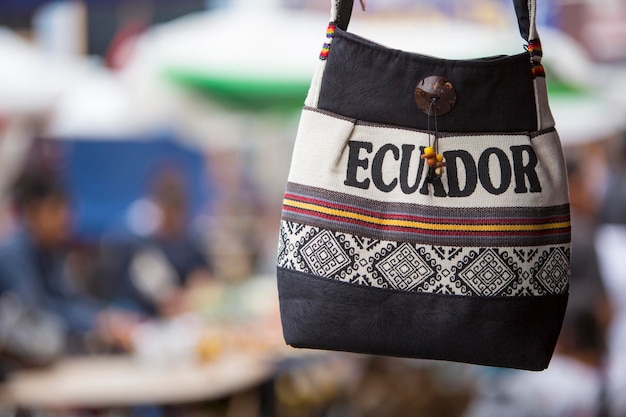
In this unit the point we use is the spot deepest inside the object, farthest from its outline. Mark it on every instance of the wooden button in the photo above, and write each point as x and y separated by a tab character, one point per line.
435	87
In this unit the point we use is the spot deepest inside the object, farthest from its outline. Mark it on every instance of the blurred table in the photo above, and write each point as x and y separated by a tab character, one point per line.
124	381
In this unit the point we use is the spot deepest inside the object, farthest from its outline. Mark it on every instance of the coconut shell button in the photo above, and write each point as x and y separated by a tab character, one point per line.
435	87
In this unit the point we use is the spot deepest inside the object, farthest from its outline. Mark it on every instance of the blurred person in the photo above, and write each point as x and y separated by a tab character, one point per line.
587	289
161	270
32	264
29	336
610	247
240	219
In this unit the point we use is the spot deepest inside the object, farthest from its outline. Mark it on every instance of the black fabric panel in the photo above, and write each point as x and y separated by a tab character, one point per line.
344	8
515	332
366	81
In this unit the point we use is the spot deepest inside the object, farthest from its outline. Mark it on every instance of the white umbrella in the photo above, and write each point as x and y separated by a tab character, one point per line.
249	51
30	81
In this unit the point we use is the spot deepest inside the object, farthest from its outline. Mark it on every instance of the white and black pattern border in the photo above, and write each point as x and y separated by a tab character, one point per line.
411	267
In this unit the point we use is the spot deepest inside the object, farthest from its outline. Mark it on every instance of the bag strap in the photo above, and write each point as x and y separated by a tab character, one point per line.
524	9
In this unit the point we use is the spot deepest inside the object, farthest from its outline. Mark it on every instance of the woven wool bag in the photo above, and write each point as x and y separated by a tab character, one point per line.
403	240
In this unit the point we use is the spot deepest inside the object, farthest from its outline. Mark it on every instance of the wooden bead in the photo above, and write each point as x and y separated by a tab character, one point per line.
439	170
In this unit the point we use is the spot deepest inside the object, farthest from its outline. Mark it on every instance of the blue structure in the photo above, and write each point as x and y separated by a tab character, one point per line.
106	177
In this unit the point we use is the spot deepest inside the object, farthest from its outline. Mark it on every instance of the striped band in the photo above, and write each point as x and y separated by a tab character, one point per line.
325	51
330	33
534	48
536	53
538	70
499	226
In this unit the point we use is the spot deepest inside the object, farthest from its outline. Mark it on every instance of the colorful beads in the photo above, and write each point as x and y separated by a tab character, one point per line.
536	52
537	70
330	32
325	51
434	160
534	48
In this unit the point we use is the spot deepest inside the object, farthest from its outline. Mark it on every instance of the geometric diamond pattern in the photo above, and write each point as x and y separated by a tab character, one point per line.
324	255
404	269
554	273
487	274
403	266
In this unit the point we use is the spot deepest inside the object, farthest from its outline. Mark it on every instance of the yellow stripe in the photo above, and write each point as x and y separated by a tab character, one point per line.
427	226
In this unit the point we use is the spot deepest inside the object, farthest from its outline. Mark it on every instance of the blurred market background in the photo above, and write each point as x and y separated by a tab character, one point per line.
146	143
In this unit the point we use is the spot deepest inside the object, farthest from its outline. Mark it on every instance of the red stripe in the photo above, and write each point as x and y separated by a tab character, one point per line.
426	231
430	220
